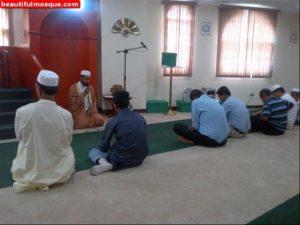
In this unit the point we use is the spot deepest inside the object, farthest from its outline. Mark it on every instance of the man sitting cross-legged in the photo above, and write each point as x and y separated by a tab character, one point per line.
273	118
130	148
236	112
83	103
210	127
279	92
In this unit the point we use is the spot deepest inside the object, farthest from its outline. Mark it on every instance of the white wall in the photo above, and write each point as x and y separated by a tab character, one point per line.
112	63
286	59
144	74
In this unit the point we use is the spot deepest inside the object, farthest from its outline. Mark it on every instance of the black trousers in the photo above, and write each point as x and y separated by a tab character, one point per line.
195	136
258	125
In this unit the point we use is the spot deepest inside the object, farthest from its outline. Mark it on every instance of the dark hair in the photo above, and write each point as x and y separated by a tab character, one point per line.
223	91
121	99
48	90
196	93
281	89
265	92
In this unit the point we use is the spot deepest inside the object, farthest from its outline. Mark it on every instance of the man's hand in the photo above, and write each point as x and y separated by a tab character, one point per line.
192	129
86	91
89	112
265	119
257	113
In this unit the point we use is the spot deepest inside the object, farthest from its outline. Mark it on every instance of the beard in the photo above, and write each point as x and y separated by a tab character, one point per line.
85	84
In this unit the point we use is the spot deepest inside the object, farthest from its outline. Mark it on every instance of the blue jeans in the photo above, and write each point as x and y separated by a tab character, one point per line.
95	154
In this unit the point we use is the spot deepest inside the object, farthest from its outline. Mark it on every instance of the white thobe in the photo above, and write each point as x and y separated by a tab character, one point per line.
87	98
292	113
44	131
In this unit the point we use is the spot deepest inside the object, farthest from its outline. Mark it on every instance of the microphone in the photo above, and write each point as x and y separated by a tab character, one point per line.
142	43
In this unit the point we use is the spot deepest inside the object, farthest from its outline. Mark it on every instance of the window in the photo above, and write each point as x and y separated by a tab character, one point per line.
179	36
4	27
246	42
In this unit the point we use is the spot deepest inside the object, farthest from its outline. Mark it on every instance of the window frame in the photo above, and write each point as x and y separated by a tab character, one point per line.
224	7
192	37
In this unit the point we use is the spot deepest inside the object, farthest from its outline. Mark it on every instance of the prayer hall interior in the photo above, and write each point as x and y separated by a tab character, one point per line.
160	76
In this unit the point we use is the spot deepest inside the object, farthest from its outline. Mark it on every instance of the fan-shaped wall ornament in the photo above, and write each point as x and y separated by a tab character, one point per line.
126	26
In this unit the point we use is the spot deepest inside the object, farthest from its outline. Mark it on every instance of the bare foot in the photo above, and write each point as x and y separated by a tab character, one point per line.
53	186
186	141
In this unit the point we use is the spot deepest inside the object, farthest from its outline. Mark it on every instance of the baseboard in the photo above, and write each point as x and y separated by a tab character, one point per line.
140	110
110	111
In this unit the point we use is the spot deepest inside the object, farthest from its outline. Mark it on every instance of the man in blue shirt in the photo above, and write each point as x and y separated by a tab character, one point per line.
236	112
209	123
130	148
273	118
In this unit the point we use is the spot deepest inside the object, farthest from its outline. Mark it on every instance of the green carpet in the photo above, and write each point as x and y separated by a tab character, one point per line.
161	138
286	213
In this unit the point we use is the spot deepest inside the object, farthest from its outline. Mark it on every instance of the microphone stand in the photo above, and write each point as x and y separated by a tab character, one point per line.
126	51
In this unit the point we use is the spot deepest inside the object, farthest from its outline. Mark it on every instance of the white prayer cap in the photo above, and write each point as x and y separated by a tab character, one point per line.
295	90
48	78
275	87
85	73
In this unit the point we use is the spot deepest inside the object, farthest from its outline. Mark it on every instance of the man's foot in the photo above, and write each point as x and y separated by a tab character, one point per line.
53	186
97	169
186	141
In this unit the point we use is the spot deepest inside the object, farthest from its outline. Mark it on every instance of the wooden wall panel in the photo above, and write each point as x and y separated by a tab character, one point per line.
60	40
13	80
65	41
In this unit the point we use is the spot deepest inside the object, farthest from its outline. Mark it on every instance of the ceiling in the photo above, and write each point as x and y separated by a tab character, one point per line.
284	5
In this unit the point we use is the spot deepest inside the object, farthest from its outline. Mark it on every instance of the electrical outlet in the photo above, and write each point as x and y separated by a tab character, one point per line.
251	94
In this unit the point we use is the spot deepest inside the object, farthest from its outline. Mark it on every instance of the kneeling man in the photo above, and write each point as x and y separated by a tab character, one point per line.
44	131
83	103
130	148
236	112
209	123
273	119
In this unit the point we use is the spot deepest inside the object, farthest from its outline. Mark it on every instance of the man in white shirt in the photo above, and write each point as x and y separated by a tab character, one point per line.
44	131
279	92
295	93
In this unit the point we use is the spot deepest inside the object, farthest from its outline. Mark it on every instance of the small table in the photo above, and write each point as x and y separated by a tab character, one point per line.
109	98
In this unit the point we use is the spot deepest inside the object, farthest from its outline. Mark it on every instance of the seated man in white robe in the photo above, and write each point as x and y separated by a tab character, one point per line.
295	93
83	103
44	130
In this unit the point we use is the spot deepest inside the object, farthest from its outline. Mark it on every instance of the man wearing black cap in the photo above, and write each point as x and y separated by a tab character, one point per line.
130	148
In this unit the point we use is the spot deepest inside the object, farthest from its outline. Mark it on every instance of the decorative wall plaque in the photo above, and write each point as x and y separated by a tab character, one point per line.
126	26
294	36
205	28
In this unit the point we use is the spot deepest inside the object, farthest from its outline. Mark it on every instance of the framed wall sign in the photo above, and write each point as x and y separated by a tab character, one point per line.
205	28
294	37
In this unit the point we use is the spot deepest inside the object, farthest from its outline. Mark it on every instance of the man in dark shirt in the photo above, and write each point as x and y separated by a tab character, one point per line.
130	148
273	118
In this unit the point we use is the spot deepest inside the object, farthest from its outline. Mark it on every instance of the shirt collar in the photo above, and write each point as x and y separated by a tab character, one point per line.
81	86
124	110
270	98
47	102
228	98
